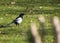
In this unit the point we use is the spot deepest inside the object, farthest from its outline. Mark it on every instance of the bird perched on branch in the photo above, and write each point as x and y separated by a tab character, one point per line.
18	20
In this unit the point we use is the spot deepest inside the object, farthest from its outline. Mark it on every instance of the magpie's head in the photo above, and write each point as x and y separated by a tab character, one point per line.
21	15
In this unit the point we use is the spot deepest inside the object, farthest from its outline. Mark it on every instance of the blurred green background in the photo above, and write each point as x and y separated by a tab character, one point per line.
10	9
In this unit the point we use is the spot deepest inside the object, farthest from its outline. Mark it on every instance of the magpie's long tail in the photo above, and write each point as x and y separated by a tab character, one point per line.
7	25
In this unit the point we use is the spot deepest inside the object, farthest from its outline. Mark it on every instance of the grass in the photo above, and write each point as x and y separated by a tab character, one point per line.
21	33
15	33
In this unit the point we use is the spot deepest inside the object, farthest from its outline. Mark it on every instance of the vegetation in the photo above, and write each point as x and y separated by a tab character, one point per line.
10	9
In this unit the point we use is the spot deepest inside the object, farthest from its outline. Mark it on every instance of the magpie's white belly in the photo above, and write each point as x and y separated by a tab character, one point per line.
19	20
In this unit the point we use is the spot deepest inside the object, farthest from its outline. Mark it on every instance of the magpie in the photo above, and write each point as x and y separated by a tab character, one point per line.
18	20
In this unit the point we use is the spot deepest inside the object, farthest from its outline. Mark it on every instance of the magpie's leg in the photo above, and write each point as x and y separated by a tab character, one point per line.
17	24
